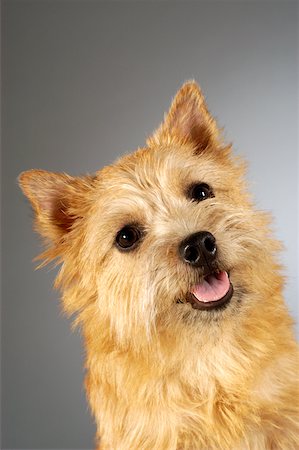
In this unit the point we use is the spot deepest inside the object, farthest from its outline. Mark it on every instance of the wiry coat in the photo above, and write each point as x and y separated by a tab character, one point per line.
161	375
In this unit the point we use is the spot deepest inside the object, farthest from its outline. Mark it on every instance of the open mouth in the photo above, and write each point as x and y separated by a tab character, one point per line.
213	292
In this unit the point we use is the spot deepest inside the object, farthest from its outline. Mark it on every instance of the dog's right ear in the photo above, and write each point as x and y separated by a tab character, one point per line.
58	200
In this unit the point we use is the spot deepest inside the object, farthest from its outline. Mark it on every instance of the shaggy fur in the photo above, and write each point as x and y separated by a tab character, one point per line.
160	374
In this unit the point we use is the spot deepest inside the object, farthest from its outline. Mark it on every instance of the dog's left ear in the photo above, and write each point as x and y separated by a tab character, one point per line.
188	120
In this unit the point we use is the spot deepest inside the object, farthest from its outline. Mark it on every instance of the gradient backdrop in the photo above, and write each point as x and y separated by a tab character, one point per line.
86	81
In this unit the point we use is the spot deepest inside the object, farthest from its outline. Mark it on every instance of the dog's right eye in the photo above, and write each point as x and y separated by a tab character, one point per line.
127	238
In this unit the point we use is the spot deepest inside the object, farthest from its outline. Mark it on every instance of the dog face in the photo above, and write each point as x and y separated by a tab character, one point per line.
166	239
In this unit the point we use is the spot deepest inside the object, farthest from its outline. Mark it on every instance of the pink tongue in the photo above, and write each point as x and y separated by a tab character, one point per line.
213	288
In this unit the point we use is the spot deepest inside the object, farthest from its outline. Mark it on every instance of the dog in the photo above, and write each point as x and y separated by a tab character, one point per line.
173	277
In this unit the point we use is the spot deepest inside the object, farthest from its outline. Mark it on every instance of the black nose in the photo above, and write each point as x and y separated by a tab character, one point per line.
198	249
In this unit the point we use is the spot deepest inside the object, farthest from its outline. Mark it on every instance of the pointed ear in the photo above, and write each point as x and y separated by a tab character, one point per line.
57	200
188	120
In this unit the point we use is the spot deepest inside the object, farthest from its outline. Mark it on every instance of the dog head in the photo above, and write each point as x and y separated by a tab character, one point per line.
164	240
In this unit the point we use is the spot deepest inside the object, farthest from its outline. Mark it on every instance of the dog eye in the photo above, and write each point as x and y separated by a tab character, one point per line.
199	192
128	237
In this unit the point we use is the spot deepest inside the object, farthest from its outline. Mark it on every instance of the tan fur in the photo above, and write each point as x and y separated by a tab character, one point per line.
161	375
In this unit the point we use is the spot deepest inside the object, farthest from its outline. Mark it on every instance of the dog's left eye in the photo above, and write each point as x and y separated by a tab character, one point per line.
199	192
128	237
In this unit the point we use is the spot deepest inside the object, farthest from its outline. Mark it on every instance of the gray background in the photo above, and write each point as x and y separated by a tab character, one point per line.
85	81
